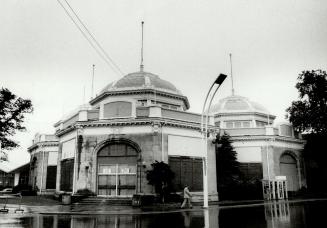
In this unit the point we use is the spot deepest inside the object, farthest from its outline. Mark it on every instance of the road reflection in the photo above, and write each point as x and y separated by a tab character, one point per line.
268	215
277	214
180	219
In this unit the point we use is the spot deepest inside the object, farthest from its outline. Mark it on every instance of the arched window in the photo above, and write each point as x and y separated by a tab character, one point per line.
117	165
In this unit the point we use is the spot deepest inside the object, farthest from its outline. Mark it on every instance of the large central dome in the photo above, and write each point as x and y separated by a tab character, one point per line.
141	80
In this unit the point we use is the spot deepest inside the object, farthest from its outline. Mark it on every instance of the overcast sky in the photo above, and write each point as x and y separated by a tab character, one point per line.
45	58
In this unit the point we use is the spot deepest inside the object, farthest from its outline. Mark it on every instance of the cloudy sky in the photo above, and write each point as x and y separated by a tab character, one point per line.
45	58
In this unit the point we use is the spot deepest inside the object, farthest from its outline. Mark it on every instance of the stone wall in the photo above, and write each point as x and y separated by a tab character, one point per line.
40	170
150	145
86	176
274	154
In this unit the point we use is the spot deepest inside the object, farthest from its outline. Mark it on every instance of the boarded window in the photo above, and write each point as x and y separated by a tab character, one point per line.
117	109
142	112
51	177
68	149
288	168
117	170
251	171
67	171
188	171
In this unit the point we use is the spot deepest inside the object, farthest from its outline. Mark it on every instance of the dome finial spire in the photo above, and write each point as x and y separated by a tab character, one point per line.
141	65
231	73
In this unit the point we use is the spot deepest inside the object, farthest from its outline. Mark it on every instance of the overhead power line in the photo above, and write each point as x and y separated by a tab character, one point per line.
91	39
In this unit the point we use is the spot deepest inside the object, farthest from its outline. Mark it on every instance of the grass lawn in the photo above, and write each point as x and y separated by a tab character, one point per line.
32	201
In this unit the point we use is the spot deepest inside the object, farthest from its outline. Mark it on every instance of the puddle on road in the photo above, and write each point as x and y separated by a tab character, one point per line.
276	214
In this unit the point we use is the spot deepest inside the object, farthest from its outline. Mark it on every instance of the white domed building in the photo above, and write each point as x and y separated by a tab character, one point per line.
264	149
107	145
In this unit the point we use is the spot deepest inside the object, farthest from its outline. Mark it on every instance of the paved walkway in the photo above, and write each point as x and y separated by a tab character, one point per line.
76	209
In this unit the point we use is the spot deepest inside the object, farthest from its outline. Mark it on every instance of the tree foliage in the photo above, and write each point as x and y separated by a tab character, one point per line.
315	162
227	164
309	112
160	176
309	116
12	111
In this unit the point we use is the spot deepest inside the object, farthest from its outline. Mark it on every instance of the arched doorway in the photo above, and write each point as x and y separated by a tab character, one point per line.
117	166
288	168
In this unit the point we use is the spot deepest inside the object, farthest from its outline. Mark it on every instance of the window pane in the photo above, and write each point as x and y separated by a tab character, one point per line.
246	124
123	169
107	169
229	124
102	180
117	150
131	151
104	152
238	124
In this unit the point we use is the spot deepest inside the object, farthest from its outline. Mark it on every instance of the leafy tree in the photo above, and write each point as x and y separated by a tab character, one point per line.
227	164
315	159
309	112
160	176
12	111
308	116
3	156
233	184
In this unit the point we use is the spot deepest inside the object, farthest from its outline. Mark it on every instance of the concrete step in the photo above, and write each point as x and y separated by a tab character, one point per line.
105	201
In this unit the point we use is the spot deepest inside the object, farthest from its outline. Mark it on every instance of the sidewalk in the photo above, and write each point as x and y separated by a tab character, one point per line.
51	207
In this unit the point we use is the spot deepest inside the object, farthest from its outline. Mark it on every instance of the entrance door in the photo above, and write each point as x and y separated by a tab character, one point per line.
288	168
117	170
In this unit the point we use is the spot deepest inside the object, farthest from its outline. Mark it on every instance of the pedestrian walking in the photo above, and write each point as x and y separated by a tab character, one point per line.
187	198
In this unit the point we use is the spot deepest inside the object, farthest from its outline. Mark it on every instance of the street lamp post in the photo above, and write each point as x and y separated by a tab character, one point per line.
219	80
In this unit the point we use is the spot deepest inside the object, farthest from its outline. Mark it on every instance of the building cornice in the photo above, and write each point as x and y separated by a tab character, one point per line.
141	91
267	138
135	122
217	115
42	144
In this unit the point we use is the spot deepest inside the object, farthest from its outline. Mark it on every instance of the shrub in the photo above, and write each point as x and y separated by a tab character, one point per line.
85	192
160	177
25	190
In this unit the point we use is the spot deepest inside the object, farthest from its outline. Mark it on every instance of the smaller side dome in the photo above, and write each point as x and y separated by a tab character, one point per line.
232	104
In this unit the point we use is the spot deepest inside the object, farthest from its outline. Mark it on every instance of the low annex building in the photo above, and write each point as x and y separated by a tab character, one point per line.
43	163
12	175
107	145
264	149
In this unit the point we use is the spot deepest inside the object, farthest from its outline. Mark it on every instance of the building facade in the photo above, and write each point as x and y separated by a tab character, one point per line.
107	145
264	149
43	163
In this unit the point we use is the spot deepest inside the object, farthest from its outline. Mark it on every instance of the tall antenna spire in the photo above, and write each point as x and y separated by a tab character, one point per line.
231	73
84	94
92	89
142	66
